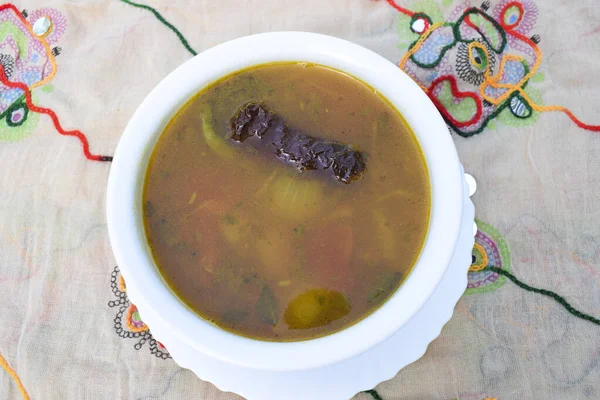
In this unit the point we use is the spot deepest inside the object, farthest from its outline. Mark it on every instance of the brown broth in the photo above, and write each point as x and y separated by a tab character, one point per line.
263	250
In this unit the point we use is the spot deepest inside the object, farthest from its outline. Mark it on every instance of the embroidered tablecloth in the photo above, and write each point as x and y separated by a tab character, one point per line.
517	82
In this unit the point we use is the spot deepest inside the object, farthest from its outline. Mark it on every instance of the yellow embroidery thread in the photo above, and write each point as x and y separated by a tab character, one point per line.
48	52
15	377
484	259
122	284
417	46
130	325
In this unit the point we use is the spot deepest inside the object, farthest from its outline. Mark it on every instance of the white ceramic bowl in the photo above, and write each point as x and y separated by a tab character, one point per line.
159	307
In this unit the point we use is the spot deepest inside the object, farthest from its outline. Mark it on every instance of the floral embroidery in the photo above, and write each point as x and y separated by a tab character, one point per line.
127	322
25	58
490	250
478	65
27	62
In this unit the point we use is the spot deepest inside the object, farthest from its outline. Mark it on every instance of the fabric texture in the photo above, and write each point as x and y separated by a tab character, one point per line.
69	332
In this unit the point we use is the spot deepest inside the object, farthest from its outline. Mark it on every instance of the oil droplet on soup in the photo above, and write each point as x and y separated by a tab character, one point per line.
292	242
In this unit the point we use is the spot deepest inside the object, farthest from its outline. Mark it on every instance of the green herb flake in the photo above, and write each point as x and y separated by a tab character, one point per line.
149	209
299	230
267	308
234	317
230	219
384	286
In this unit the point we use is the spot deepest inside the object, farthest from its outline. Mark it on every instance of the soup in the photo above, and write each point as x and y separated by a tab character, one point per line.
286	202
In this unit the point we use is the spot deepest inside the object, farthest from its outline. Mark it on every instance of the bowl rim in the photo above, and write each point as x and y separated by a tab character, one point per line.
157	304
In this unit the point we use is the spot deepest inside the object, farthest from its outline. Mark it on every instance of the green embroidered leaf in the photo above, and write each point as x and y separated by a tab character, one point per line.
539	77
21	131
405	34
48	88
480	59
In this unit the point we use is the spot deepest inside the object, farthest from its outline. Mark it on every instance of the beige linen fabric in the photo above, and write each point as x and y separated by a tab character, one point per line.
539	187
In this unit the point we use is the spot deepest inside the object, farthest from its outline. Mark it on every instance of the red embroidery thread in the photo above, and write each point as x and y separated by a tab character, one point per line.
461	95
503	13
400	9
78	134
